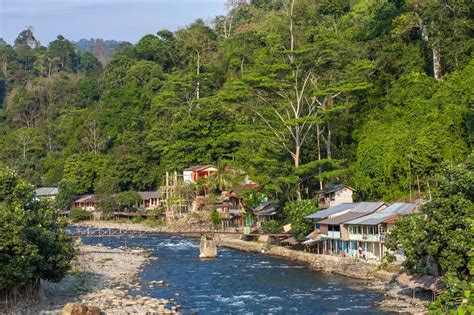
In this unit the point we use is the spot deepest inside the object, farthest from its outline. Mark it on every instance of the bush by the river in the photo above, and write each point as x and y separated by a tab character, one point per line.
79	215
33	245
295	213
271	226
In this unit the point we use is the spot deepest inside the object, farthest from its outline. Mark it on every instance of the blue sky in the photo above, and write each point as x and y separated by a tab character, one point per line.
125	20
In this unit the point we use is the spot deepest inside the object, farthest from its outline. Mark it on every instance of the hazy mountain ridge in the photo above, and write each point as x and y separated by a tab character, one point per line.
100	48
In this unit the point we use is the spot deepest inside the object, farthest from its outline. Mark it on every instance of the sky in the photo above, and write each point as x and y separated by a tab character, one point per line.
127	20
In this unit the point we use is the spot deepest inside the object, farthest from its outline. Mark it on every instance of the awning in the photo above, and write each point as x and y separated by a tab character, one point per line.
290	240
309	242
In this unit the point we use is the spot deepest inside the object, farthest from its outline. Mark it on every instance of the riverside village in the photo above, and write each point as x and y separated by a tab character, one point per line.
344	237
247	157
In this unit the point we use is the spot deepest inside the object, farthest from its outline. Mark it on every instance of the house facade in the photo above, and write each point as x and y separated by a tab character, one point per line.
86	202
194	173
46	193
334	195
331	236
151	200
368	232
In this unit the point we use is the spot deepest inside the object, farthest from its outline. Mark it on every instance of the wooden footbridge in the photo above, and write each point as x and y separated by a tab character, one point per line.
81	232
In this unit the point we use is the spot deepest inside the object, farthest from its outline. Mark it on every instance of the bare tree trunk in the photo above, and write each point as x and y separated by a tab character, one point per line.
318	139
297	165
436	63
292	35
198	72
329	142
435	51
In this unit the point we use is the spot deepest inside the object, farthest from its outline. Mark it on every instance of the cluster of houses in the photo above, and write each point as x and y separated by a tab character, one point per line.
355	229
342	227
150	200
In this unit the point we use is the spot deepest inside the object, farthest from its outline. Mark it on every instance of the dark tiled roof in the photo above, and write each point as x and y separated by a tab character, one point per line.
333	188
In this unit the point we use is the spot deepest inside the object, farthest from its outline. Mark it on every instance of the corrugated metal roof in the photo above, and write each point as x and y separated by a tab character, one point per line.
149	194
401	208
343	218
46	191
397	209
332	210
86	198
368	207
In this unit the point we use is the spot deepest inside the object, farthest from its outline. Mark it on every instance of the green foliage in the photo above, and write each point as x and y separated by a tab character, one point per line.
347	95
440	240
215	218
252	198
34	246
153	222
295	213
79	215
137	219
128	200
271	226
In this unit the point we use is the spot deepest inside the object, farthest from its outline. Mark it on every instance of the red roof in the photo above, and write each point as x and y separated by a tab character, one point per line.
198	168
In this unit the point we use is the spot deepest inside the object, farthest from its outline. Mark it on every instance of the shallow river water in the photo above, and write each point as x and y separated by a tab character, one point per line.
243	283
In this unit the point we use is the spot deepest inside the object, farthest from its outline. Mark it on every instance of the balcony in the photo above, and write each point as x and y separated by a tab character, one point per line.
334	234
364	237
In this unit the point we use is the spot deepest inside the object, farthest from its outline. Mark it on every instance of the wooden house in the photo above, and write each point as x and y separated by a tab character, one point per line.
46	193
334	195
86	202
150	200
194	173
368	232
232	212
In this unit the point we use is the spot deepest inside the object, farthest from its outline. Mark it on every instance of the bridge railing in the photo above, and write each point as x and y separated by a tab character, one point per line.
119	232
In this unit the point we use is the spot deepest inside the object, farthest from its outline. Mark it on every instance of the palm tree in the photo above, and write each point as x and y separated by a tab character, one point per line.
225	179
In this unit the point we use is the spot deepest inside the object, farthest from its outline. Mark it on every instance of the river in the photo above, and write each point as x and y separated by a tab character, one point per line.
242	283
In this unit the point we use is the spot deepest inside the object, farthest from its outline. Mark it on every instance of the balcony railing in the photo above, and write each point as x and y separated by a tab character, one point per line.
334	234
364	237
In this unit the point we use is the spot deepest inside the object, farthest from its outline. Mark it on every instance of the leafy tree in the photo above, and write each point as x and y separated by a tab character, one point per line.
440	240
128	200
34	246
295	213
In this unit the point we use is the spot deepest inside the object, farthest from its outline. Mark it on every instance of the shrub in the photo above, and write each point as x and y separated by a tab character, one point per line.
295	213
137	219
215	218
153	222
79	215
271	226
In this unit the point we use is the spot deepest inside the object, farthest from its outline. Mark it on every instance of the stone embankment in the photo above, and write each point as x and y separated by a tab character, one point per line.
101	277
347	266
395	300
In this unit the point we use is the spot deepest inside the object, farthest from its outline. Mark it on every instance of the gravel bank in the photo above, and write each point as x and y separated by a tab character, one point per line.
100	277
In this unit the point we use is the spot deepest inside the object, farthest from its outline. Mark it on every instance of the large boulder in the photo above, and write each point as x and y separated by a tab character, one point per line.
80	309
208	247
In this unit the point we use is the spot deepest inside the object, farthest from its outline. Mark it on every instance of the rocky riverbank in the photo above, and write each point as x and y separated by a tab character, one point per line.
396	298
100	277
